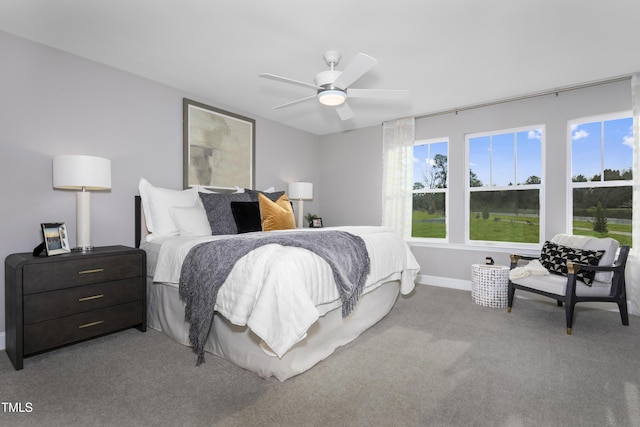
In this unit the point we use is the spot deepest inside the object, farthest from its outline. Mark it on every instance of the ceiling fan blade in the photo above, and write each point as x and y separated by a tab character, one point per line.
344	111
377	93
297	101
354	70
288	80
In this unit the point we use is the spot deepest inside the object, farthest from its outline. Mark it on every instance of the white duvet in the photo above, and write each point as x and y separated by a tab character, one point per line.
280	291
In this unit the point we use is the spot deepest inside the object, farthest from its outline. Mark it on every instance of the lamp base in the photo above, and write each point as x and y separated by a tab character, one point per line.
82	249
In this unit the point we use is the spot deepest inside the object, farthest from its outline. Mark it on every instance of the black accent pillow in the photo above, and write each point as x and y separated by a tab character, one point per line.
246	216
254	194
218	208
554	258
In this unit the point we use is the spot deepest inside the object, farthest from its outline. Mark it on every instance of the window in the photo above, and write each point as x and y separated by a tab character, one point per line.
430	171
602	176
505	183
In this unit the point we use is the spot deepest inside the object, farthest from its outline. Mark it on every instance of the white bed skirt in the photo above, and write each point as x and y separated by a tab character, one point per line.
240	346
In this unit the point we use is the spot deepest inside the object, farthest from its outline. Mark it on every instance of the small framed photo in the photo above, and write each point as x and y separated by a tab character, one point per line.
56	239
316	223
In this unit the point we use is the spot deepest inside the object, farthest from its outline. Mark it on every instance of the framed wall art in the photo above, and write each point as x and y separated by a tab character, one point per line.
219	148
56	239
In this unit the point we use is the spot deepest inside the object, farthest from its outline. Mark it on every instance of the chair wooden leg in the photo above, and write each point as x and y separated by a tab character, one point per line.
569	308
511	291
622	305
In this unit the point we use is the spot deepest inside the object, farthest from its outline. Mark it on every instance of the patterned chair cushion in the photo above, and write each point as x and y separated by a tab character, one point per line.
554	258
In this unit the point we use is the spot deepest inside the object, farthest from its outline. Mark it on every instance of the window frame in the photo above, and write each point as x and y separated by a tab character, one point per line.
602	118
540	187
415	239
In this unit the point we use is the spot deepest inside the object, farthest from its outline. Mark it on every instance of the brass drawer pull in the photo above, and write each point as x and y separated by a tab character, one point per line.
91	297
96	270
86	325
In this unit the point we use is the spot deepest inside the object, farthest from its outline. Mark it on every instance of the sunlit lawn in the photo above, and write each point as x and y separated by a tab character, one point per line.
508	228
428	225
584	228
503	228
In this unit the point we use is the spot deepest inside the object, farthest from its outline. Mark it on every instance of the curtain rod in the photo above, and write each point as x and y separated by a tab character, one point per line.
531	95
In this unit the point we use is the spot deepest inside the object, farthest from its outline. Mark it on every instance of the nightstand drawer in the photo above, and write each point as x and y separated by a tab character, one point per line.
65	302
82	271
52	333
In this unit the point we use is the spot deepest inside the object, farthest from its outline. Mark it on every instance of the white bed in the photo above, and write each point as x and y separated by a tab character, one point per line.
258	329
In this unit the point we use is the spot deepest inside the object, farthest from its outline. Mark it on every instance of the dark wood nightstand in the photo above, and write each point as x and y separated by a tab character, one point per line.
58	300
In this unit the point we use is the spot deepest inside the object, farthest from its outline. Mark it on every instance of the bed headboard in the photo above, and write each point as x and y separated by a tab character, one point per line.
140	223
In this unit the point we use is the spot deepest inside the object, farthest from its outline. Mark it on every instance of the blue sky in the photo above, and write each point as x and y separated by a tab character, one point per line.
423	156
587	144
508	158
515	156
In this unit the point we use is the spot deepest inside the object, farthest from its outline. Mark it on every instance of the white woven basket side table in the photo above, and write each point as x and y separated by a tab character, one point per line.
490	285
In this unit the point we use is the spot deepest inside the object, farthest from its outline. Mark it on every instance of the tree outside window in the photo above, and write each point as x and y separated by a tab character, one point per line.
430	174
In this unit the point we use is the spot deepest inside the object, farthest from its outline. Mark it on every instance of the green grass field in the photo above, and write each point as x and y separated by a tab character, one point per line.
503	228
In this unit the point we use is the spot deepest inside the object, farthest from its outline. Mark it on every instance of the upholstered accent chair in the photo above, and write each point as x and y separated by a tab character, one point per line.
573	269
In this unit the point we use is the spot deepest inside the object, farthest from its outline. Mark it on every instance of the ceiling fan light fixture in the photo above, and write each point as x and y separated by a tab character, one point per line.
332	97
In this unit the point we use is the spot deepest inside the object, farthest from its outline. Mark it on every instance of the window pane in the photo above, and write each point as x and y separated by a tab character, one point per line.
479	161
430	166
440	163
503	160
618	149
591	205
429	219
505	216
586	152
529	157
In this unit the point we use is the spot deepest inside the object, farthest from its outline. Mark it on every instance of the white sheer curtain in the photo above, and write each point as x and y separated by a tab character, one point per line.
397	171
633	263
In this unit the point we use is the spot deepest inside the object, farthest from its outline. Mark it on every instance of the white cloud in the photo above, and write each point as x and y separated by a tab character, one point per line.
628	141
580	134
534	134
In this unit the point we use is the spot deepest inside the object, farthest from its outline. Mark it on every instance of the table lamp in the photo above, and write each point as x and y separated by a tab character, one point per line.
300	191
83	173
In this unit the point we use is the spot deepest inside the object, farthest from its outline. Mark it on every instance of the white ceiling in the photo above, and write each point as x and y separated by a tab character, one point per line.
448	53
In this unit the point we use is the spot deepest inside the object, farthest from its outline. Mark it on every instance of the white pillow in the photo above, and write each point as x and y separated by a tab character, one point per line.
191	221
156	202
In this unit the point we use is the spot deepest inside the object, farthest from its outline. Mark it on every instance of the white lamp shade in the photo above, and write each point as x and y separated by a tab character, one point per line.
300	191
71	172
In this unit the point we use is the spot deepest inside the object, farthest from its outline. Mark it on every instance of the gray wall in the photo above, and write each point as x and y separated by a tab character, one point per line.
352	168
351	176
55	103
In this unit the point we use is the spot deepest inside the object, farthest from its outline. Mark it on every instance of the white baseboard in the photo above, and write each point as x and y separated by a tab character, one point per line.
444	282
3	341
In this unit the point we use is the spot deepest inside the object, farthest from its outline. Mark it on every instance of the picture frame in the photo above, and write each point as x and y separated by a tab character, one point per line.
218	148
56	238
316	223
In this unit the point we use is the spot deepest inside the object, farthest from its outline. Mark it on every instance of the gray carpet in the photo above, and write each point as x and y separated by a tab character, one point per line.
437	359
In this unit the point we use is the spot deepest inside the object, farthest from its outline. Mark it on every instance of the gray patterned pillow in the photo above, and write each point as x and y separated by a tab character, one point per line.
554	258
218	208
254	194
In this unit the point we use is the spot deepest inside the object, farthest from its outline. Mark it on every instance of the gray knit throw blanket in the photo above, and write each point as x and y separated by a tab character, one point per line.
207	266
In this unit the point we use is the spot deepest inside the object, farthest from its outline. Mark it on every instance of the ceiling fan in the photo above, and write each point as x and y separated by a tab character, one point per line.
332	86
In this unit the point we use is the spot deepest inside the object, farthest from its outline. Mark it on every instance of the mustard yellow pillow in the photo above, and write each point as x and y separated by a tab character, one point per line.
276	215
